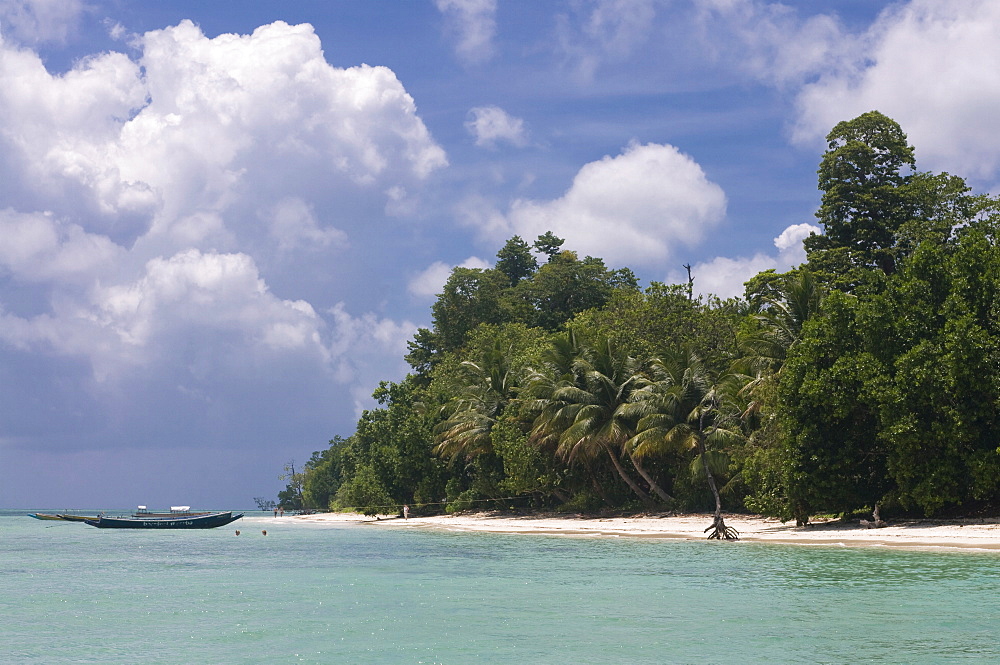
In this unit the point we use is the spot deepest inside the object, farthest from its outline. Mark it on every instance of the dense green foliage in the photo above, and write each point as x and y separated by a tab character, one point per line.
870	375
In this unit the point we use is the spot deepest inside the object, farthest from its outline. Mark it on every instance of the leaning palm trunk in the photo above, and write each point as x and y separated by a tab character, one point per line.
719	530
628	479
666	498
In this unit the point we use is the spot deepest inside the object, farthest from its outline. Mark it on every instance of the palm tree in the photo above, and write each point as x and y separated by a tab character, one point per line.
797	298
543	384
582	406
788	303
684	409
469	418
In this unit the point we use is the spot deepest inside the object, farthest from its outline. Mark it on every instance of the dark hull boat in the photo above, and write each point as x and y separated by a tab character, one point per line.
199	521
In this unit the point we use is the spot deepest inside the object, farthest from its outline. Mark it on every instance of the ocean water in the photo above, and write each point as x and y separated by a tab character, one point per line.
364	593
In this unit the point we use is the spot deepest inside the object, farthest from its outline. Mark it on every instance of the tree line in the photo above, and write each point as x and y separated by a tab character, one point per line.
867	377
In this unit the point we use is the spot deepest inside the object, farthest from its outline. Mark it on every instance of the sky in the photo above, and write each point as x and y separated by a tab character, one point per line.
220	222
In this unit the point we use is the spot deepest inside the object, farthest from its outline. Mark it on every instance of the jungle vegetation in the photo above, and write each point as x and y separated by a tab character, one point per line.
868	376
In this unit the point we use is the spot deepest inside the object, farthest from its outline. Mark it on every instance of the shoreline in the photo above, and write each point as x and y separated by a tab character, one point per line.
923	534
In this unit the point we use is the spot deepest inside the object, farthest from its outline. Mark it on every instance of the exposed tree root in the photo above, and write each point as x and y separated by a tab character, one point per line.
720	531
876	523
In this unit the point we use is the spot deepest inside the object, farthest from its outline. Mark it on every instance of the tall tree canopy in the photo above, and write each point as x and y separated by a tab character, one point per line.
516	261
863	176
869	376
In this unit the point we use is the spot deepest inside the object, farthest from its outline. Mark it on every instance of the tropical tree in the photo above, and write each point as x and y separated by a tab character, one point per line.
830	393
291	496
469	417
785	304
565	286
648	323
863	177
585	409
940	414
783	310
323	475
781	305
424	352
684	408
471	296
548	244
516	261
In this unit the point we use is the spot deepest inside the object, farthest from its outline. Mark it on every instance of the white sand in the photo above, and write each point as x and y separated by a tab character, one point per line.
981	534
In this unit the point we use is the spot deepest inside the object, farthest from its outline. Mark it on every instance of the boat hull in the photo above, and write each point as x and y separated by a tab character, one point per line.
208	521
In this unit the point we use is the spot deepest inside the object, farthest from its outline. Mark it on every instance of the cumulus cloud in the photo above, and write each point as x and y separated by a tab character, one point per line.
199	124
205	290
789	242
37	247
431	281
491	125
40	20
934	67
148	322
366	349
631	209
474	24
202	318
724	277
143	196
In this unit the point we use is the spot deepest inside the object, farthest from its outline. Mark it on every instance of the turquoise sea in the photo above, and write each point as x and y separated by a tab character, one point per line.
364	593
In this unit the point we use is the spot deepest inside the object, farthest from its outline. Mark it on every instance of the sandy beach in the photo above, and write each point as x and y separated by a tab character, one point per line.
962	534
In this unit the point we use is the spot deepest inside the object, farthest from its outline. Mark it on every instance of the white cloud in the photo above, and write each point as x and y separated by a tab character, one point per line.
772	41
213	290
603	30
366	350
632	209
219	299
474	23
60	131
491	124
201	127
431	281
932	66
40	20
293	225
203	318
39	248
724	277
789	242
620	25
171	179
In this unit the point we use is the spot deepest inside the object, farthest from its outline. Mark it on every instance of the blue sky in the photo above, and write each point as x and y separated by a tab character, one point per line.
220	222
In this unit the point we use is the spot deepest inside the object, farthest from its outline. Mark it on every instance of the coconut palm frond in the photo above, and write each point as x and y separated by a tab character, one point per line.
718	463
722	437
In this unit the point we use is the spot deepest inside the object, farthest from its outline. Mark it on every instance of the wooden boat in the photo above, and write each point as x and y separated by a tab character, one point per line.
62	517
77	518
199	521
